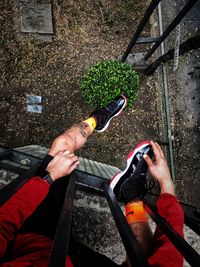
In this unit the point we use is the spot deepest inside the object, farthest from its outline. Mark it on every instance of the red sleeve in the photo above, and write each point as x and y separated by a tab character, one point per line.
163	253
18	208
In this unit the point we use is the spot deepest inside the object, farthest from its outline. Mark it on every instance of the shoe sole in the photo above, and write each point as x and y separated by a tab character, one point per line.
130	157
117	114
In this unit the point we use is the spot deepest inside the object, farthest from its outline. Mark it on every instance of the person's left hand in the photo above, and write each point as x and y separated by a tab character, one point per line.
62	164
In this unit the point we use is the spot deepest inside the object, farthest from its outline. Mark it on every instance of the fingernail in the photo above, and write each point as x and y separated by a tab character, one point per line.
145	156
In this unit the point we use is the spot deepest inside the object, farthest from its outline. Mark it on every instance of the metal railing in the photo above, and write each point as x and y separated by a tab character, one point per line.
99	186
133	249
159	40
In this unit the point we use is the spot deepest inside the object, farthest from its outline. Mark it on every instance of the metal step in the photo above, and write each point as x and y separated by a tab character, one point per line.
97	168
86	165
20	159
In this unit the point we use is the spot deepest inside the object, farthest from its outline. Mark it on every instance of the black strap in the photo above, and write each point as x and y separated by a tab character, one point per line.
49	179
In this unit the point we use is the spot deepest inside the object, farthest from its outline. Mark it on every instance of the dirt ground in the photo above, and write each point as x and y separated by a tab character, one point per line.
85	32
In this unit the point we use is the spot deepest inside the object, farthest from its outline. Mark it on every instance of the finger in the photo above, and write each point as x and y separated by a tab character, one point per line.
69	155
65	152
160	149
73	159
59	153
156	151
73	166
148	160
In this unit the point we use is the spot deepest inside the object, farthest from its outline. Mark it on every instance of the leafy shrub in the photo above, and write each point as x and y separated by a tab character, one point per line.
108	79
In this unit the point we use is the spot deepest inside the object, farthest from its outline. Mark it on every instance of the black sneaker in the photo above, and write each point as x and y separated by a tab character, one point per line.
106	114
131	183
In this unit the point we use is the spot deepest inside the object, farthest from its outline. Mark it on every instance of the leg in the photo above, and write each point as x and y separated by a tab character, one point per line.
143	234
75	137
72	139
129	187
137	219
45	218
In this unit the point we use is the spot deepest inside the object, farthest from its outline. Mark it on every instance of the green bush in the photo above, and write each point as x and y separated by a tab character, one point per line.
108	79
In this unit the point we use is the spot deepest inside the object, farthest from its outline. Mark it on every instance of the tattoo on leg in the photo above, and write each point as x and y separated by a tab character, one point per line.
83	127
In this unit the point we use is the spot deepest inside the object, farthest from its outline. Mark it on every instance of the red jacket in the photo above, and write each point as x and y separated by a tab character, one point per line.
34	250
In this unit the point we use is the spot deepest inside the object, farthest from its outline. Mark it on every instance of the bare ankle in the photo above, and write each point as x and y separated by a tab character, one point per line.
84	129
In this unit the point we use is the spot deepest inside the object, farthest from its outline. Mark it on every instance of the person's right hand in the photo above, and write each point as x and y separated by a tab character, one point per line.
62	164
159	169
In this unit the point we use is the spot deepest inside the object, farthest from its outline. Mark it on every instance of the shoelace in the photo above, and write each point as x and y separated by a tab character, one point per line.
150	185
104	111
147	187
111	105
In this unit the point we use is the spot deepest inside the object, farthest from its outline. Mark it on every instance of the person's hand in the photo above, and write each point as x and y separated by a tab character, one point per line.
62	164
160	170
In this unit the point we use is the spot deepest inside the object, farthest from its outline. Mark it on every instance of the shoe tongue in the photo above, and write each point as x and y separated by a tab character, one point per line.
108	108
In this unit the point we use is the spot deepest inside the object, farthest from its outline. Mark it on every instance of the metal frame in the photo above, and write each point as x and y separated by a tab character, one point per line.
63	231
156	40
16	184
133	249
140	28
183	247
172	26
190	44
131	245
100	186
153	66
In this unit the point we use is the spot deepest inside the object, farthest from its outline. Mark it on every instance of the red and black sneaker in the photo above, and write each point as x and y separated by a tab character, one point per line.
104	115
130	184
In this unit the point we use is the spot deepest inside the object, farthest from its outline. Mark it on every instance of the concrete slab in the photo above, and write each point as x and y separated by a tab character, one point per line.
45	37
33	99
136	61
36	18
34	108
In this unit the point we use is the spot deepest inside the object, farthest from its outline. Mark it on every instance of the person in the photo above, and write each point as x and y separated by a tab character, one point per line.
23	244
25	235
130	188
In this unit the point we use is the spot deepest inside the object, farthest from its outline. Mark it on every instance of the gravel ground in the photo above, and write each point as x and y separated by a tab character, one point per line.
85	32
